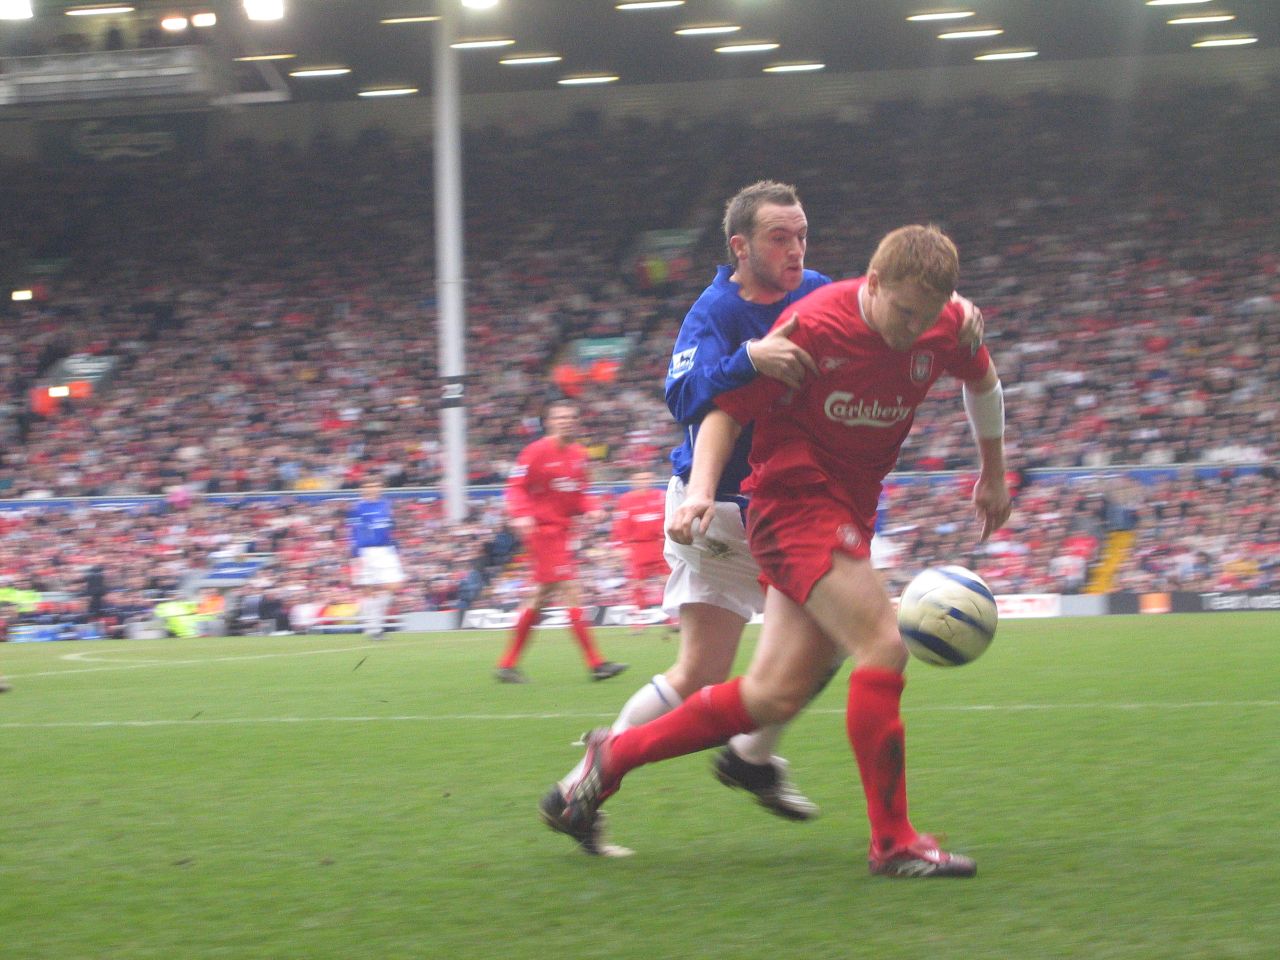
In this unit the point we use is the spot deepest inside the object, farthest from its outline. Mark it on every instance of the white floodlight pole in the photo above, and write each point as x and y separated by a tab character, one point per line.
449	267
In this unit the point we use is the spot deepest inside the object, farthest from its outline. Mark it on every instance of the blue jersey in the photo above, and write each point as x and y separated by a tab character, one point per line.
710	357
369	524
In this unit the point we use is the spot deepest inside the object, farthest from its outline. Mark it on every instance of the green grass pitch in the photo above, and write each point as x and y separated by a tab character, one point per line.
305	798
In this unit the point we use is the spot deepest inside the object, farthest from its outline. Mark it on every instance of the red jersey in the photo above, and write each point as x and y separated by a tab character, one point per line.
549	483
843	429
638	516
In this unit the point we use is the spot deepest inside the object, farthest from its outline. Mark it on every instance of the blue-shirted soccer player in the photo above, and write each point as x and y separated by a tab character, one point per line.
726	340
375	562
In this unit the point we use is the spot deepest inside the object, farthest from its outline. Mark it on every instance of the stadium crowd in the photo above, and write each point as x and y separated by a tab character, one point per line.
271	313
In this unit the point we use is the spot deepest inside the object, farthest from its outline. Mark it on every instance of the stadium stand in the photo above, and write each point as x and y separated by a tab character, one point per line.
287	343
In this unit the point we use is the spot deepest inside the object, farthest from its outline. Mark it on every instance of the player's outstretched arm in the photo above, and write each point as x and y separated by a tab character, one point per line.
716	437
984	405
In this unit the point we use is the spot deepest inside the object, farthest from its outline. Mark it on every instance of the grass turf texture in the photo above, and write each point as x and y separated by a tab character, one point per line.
323	797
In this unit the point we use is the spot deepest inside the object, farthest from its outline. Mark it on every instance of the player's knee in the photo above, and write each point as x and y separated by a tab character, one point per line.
689	677
884	648
772	704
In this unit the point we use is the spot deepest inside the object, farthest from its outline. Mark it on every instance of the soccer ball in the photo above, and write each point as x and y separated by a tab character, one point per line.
947	616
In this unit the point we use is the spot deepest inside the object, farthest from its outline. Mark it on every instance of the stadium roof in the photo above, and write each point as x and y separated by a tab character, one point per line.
640	46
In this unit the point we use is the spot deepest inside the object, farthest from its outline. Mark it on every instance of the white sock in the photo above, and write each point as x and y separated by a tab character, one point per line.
381	604
758	746
651	701
655	698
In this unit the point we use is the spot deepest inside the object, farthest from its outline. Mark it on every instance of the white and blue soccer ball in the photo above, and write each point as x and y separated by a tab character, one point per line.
947	616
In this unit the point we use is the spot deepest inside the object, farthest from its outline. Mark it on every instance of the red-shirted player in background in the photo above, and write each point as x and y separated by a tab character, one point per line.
819	457
638	526
546	492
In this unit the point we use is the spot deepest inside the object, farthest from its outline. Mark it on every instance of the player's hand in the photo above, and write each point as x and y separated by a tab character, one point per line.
972	328
992	503
692	517
523	526
775	356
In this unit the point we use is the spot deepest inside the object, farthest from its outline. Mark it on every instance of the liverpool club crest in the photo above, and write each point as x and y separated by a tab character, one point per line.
921	366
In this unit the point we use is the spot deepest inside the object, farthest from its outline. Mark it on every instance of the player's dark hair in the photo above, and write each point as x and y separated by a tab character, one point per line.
740	211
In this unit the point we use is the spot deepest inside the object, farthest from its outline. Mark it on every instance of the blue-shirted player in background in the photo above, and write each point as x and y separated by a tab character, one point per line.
375	562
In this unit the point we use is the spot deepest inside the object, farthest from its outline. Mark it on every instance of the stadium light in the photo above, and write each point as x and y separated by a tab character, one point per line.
204	19
98	11
482	43
479	4
1225	41
970	34
940	15
707	30
1008	55
264	9
530	59
16	10
1202	18
306	72
174	24
805	67
753	47
587	80
19	295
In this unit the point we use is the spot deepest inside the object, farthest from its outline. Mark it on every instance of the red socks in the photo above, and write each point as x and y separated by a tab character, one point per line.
580	630
709	717
523	626
874	724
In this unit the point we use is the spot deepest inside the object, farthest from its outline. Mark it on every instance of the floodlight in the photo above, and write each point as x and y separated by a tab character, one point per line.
264	9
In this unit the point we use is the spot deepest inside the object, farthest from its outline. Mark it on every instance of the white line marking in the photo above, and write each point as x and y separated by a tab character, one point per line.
110	664
510	717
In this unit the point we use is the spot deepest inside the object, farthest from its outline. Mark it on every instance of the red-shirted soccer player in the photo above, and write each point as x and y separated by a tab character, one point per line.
819	456
546	493
638	525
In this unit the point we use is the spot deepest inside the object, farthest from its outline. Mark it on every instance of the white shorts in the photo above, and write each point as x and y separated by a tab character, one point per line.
375	566
717	568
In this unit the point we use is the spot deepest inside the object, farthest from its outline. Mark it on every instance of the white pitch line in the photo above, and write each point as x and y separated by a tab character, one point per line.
110	664
511	717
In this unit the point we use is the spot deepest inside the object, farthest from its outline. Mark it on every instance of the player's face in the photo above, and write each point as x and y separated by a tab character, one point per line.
371	491
901	312
774	264
561	422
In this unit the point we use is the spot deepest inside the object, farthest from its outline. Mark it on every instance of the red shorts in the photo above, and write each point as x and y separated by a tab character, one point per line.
550	557
646	564
793	538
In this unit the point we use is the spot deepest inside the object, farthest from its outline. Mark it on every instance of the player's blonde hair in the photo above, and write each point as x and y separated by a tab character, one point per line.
740	211
918	254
